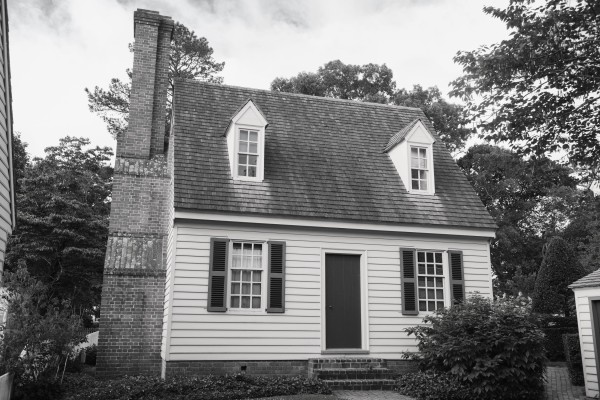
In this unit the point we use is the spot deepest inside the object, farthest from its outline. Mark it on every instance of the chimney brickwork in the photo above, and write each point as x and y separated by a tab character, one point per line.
134	270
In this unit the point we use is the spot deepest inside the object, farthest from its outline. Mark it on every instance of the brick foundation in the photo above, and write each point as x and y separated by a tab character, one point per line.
199	368
402	366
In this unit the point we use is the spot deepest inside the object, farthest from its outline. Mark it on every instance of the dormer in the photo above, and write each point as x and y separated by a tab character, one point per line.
246	143
411	151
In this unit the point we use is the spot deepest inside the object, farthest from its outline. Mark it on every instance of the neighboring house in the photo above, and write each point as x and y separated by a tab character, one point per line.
7	196
276	228
587	301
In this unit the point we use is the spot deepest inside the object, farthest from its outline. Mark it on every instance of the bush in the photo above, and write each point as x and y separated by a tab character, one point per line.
84	387
573	356
91	353
494	349
431	386
41	389
554	327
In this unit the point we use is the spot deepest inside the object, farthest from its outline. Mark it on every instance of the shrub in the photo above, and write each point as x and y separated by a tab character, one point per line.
495	349
83	387
573	356
560	267
554	327
431	386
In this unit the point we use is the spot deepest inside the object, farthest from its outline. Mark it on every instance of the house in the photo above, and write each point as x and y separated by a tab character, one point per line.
587	302
275	228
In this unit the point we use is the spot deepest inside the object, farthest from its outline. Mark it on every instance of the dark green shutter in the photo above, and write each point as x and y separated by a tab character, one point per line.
217	275
276	278
408	280
457	282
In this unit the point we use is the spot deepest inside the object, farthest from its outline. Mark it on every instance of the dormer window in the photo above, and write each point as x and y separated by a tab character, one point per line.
246	143
418	168
247	153
411	151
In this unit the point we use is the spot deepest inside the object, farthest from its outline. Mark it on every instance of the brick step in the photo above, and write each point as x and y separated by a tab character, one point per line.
354	373
338	363
361	384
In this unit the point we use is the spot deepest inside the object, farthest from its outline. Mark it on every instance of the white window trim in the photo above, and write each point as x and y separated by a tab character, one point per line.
430	178
263	283
446	271
260	167
364	296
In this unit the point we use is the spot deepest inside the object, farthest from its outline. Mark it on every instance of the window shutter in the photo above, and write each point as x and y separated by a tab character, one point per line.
276	278
217	275
457	281
409	281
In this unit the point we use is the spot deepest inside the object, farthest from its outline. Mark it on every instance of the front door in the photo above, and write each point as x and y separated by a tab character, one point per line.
342	302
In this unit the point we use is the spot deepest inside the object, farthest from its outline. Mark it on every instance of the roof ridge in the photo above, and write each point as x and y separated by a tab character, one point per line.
273	92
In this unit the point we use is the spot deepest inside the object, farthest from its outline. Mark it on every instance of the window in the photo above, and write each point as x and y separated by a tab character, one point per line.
247	153
247	266
418	168
430	280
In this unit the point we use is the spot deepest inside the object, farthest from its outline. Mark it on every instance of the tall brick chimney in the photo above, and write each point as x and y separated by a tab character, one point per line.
134	268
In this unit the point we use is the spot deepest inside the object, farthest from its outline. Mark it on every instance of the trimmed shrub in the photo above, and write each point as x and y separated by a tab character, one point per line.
560	267
493	349
554	327
84	387
573	356
431	386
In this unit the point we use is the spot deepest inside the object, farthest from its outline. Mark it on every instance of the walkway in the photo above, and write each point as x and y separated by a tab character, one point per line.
371	395
559	385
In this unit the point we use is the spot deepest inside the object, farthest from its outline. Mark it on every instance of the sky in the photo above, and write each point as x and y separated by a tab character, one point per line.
60	47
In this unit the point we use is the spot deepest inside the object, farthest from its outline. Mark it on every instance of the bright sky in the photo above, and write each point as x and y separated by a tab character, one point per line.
59	47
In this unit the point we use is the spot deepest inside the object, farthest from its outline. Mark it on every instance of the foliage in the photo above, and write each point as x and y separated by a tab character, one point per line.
573	356
539	90
494	348
201	388
554	327
62	222
529	200
432	386
39	335
191	58
374	83
560	267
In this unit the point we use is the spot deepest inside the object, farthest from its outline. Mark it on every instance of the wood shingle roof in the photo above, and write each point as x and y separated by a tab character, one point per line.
323	159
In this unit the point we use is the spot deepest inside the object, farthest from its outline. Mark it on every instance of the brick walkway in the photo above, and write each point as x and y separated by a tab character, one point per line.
558	386
371	395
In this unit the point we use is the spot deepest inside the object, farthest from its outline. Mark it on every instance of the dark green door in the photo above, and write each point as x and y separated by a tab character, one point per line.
342	301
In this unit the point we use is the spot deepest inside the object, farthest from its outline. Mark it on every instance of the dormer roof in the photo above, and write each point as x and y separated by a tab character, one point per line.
404	133
323	160
250	113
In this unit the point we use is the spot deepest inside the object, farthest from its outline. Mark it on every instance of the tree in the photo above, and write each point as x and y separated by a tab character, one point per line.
191	58
560	267
374	83
539	90
63	206
529	200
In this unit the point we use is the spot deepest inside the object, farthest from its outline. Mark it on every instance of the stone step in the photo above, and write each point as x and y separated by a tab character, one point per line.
361	384
337	363
354	373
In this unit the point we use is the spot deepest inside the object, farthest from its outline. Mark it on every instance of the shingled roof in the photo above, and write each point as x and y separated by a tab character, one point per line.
323	159
590	280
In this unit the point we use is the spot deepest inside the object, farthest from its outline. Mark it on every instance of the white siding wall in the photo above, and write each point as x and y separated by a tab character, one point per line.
586	338
196	334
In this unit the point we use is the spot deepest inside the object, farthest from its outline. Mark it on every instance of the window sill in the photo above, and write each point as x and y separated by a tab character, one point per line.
247	179
344	351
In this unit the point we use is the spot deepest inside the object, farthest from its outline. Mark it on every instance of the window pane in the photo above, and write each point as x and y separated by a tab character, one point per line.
236	261
430	293
235	302
245	288
414	163
256	289
438	258
415	184
242	170
423	163
422	306
256	302
252	171
237	248
429	282
252	160
420	256
438	270
247	249
440	305
429	269
243	135
421	281
439	282
257	276
414	152
235	275
246	276
253	148
422	293
422	152
431	305
414	173
423	185
245	301
429	257
253	136
439	294
235	288
243	147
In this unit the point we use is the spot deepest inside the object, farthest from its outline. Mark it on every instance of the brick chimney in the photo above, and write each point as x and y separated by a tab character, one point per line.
134	268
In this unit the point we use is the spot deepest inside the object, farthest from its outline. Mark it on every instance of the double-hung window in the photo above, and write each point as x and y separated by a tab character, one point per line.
418	168
247	271
430	280
248	153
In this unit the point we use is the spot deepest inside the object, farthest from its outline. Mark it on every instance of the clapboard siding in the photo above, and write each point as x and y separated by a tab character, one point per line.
196	334
586	338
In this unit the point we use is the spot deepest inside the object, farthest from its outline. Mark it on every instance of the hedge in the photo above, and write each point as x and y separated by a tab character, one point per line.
573	356
554	327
